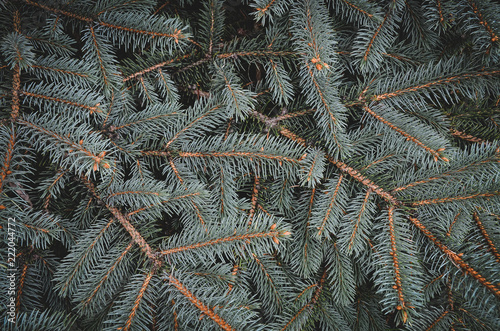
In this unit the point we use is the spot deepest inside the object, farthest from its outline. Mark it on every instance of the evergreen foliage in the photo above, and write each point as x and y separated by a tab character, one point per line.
251	165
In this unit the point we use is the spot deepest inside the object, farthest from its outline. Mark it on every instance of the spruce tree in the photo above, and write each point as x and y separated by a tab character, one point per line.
250	165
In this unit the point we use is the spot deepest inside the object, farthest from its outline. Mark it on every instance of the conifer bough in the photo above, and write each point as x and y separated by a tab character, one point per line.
250	165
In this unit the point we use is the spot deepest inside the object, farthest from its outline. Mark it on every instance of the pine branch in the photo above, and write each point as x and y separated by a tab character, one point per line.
452	224
16	90
452	172
467	137
273	287
380	160
440	11
156	66
348	170
356	226
63	71
192	123
402	58
436	321
22	279
269	9
310	304
87	301
63	48
176	35
486	236
280	82
36	228
483	21
136	236
321	95
332	205
436	82
137	302
83	257
239	102
62	12
372	42
98	159
292	136
243	237
272	122
255	193
414	23
199	304
124	221
376	33
266	7
212	30
234	272
92	109
456	198
174	169
435	153
176	322
161	7
364	12
141	120
119	5
305	290
456	258
258	53
163	202
7	159
249	155
474	317
365	181
402	304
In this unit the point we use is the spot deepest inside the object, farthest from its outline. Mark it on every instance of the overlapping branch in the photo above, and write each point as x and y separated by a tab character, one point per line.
456	258
137	301
434	153
486	237
376	33
108	273
394	253
92	109
124	221
365	181
312	302
483	21
199	304
242	237
361	211
330	206
441	81
75	270
456	198
176	35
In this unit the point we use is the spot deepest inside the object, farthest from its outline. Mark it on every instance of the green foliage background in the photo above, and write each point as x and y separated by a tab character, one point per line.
250	165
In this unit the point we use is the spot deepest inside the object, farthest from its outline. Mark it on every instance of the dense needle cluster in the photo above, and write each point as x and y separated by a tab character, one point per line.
250	165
